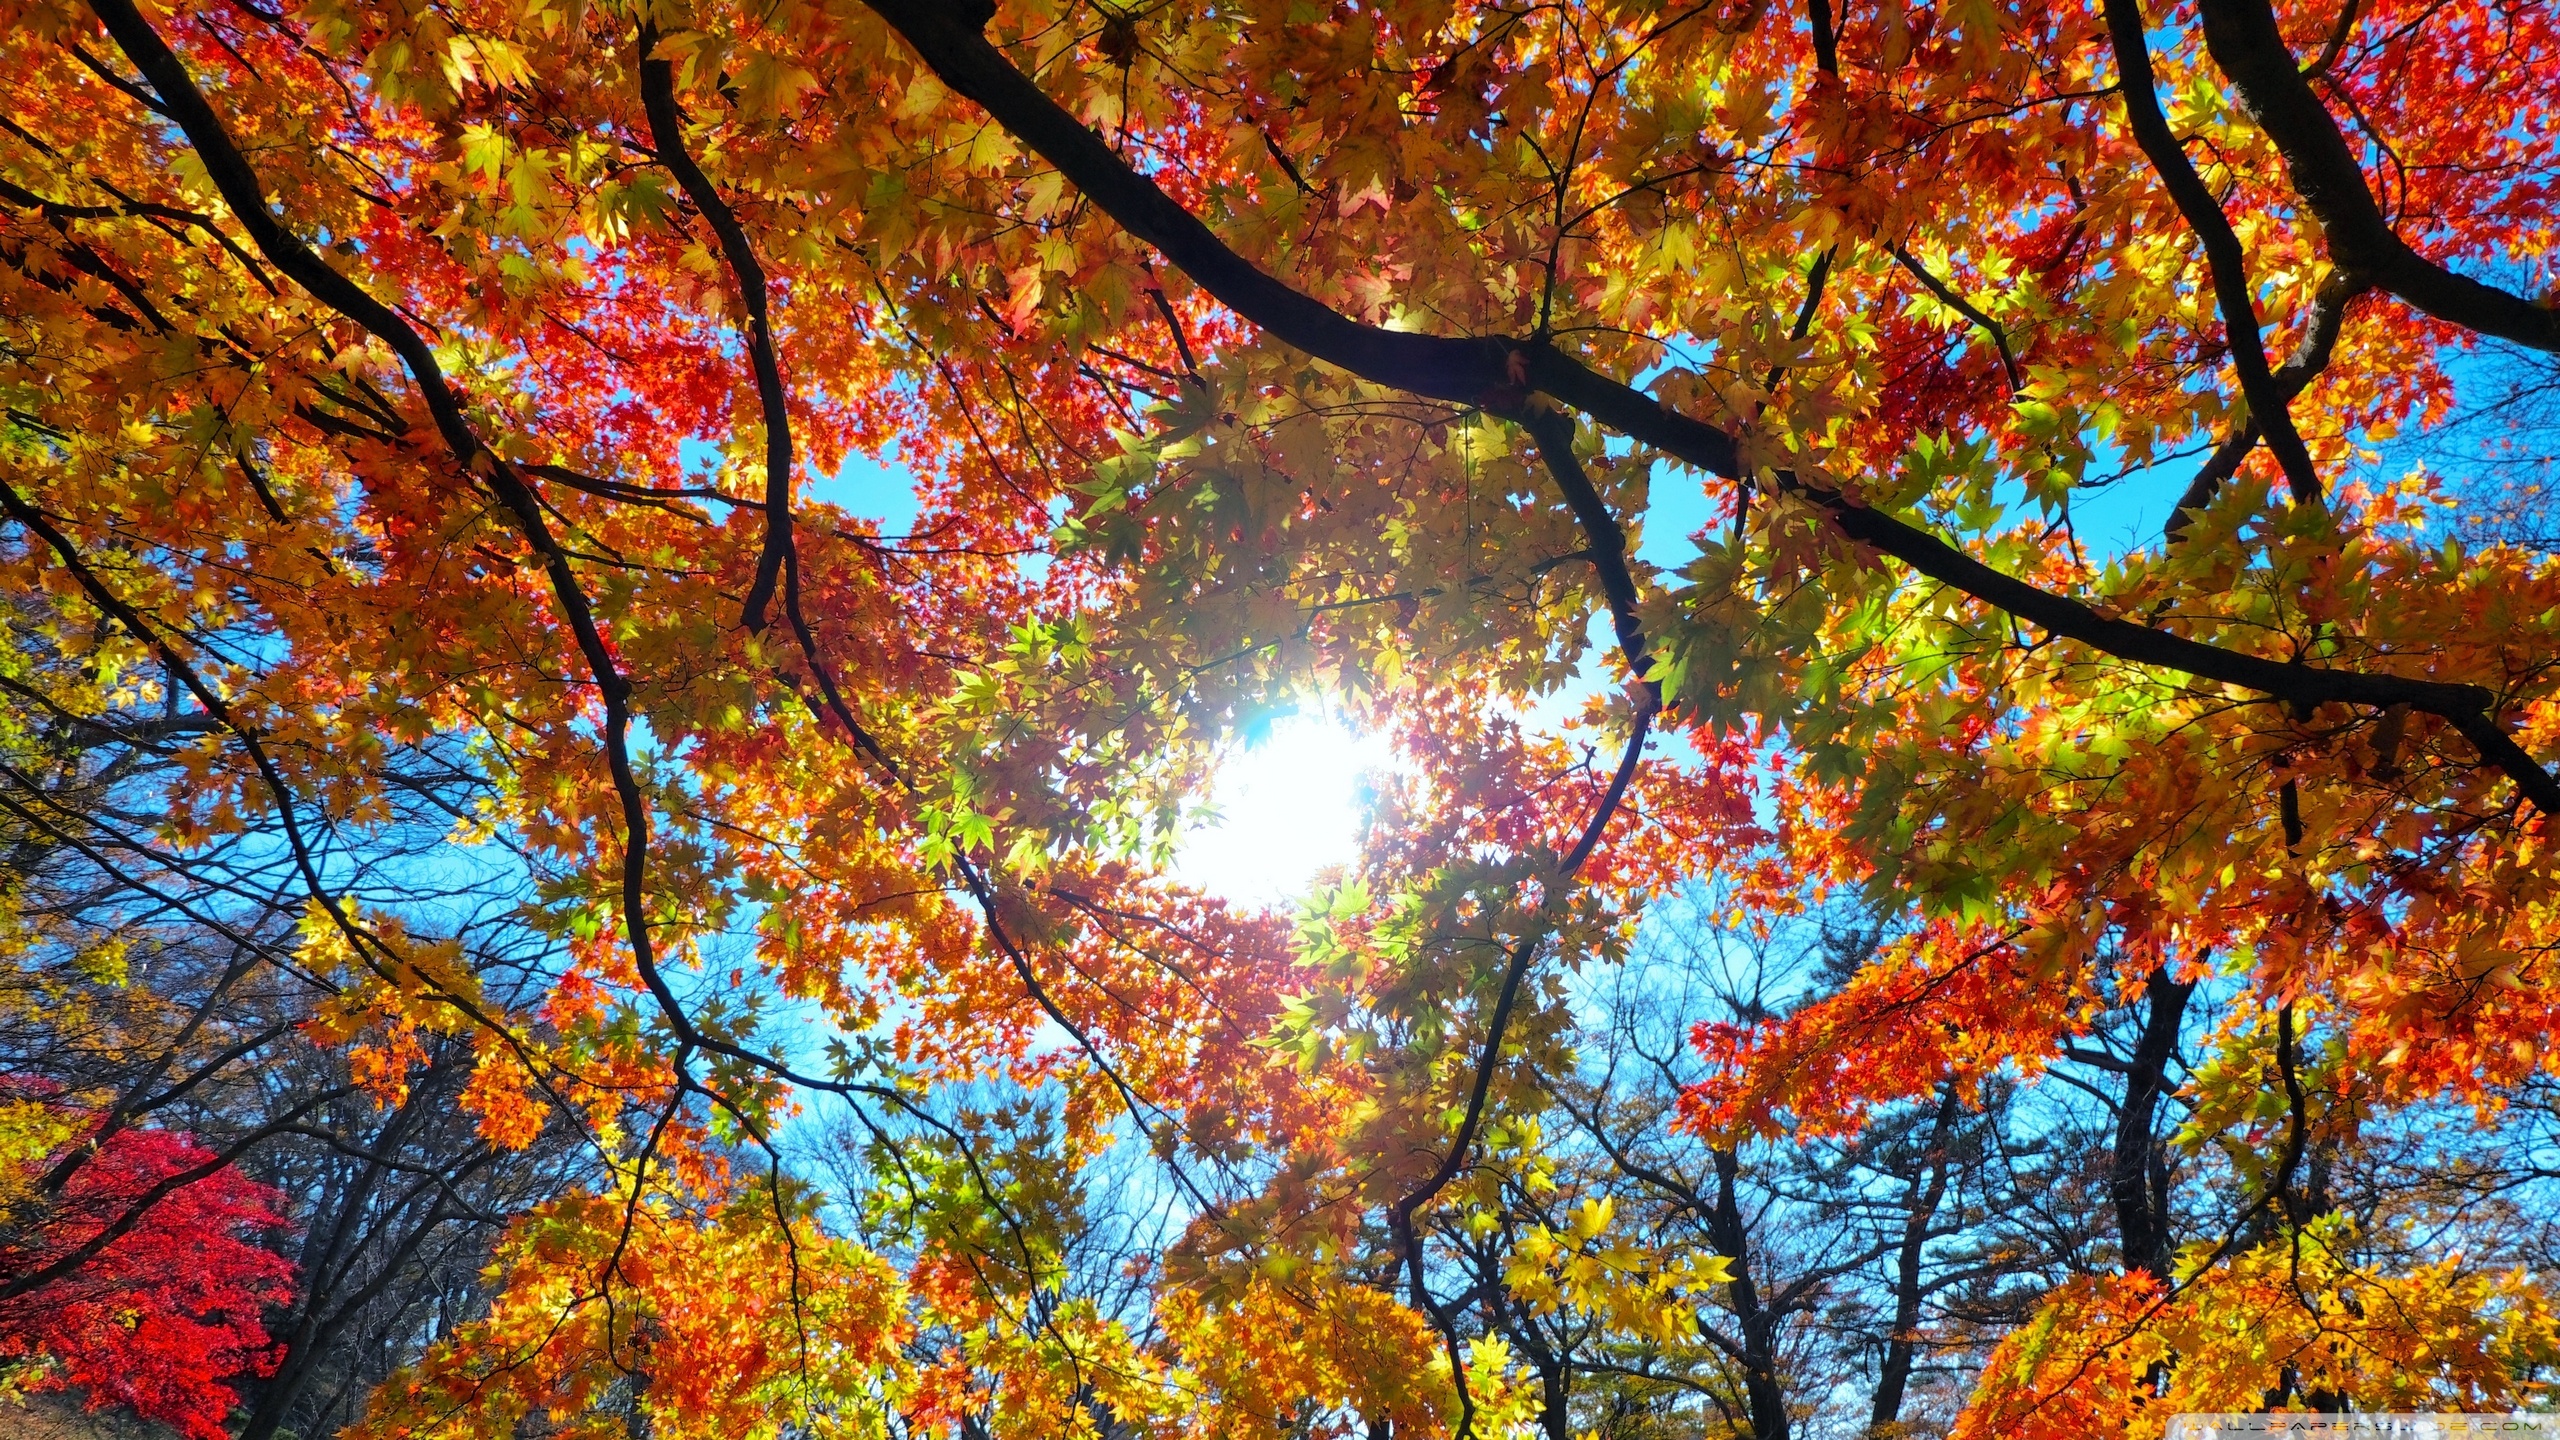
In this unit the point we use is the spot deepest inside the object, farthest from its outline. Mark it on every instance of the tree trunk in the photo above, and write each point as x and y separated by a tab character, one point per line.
2138	1180
1928	1189
1768	1400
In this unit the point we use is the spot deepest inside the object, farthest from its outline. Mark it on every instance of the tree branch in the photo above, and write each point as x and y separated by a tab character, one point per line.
2243	39
2224	258
241	189
1493	372
1953	300
2309	358
666	133
1605	542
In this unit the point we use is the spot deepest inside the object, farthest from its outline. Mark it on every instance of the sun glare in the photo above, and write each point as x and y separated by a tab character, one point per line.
1289	804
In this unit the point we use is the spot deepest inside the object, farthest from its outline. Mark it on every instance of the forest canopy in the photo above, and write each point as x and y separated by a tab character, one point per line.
619	614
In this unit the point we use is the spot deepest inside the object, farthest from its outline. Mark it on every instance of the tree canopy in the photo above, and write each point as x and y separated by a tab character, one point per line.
2034	914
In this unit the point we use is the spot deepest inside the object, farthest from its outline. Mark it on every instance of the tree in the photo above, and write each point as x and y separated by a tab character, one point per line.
141	1279
421	428
152	985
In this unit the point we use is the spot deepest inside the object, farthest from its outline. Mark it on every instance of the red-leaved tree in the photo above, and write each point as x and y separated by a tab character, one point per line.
140	1279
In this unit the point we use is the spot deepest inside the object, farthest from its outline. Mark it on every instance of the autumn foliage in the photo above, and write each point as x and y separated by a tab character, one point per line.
140	1278
1960	590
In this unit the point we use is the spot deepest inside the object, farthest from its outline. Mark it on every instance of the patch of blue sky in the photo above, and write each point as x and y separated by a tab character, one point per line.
878	488
2505	427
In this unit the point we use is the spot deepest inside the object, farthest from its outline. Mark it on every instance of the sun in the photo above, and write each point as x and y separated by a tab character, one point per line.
1290	802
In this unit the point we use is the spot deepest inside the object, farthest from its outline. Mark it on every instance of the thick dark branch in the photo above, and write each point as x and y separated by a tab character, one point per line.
1927	1192
1494	371
1444	368
1553	431
1731	1237
88	261
1605	542
1826	38
2097	1059
610	489
2223	256
1489	1059
1815	281
779	565
2466	706
133	92
2244	41
2309	358
60	213
1173	324
2297	1120
666	132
